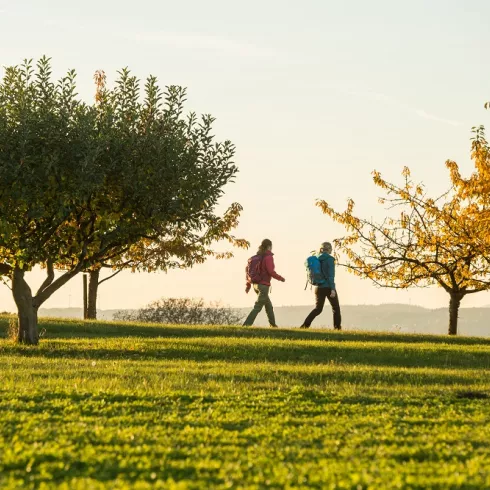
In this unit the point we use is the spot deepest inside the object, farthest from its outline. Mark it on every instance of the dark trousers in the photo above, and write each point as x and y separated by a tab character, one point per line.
321	294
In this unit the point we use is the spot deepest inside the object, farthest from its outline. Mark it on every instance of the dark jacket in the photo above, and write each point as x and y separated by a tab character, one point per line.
328	268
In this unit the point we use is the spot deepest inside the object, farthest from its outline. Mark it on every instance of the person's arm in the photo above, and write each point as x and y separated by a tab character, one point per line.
270	268
331	273
247	284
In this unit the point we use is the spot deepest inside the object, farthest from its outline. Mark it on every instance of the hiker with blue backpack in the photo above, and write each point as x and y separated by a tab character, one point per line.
321	274
259	273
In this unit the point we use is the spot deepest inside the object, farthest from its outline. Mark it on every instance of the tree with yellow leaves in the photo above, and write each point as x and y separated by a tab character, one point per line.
175	246
427	241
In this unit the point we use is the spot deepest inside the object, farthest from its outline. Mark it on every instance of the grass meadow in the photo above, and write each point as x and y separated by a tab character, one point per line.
131	406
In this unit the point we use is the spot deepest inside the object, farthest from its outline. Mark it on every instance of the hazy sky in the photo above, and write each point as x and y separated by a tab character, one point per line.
315	95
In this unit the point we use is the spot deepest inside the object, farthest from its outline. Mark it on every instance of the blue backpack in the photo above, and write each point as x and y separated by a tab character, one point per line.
314	273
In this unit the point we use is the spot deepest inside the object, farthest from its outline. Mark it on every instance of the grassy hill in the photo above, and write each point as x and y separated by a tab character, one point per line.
103	405
382	318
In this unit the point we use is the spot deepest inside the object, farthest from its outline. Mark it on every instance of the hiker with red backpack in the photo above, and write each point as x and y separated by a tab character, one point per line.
260	270
321	273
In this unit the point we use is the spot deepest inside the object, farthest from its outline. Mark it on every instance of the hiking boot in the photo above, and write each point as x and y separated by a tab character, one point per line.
273	326
304	326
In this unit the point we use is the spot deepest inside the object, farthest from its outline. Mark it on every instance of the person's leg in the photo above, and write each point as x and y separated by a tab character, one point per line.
320	294
337	318
269	309
259	304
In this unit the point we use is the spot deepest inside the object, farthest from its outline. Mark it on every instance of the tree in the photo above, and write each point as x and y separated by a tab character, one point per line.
440	241
178	247
475	190
176	244
81	184
182	311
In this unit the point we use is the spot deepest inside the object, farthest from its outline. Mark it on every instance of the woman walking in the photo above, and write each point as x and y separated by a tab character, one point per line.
260	270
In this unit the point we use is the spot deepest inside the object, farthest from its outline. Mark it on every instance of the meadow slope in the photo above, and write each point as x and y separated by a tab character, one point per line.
104	405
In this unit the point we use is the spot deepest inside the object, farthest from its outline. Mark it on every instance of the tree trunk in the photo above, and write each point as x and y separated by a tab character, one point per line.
85	296
454	304
27	311
93	287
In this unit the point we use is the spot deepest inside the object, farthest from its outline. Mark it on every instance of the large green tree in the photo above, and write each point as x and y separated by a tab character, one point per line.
175	244
83	183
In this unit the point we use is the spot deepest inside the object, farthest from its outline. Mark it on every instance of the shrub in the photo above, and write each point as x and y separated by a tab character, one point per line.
187	311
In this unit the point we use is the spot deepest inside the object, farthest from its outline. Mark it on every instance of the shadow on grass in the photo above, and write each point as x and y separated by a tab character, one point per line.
383	380
116	404
297	353
69	328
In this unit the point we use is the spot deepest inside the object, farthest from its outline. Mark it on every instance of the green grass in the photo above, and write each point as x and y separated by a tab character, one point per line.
101	405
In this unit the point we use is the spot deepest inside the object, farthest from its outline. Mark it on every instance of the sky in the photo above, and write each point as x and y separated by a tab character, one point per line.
314	94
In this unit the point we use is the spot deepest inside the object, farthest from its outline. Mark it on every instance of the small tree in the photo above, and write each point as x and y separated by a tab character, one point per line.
178	247
182	311
81	184
179	243
431	241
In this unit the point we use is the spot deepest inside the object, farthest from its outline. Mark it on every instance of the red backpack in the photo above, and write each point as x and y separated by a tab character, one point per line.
254	269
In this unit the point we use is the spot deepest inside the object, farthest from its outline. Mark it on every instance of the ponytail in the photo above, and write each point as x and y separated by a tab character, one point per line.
264	246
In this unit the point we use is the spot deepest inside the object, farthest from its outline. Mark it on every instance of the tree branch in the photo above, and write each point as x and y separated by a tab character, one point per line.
49	279
5	283
40	298
110	277
5	269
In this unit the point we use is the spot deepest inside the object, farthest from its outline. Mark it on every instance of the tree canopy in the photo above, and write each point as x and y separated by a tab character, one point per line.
176	247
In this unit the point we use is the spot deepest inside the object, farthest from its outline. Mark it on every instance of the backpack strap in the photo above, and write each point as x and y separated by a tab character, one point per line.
307	276
307	279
